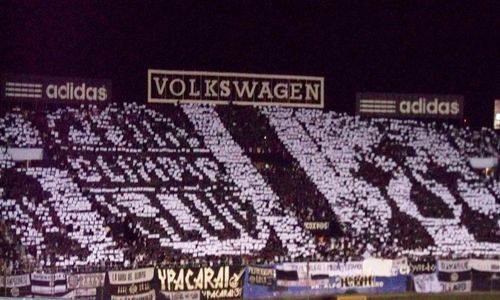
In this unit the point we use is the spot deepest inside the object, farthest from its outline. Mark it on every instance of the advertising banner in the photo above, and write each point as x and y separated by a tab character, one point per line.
166	86
15	285
132	284
49	89
222	282
410	106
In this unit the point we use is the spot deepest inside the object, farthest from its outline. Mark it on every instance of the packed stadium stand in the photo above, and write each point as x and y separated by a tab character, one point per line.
124	185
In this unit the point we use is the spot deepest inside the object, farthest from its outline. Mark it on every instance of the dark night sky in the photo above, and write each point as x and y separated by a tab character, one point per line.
385	46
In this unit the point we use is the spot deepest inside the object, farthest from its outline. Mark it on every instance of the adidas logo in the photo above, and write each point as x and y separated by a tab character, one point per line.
433	107
69	91
45	88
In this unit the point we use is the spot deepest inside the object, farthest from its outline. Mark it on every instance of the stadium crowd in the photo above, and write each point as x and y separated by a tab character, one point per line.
124	185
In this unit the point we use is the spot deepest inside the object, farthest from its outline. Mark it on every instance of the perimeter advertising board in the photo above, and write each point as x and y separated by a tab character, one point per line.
34	88
410	106
165	86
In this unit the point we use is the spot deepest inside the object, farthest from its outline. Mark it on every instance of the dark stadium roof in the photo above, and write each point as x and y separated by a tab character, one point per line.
386	46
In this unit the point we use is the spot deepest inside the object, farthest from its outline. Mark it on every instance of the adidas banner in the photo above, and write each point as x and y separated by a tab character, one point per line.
15	285
50	89
410	105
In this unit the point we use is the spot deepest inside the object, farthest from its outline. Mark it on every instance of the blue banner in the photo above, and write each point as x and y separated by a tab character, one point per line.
323	286
258	289
362	284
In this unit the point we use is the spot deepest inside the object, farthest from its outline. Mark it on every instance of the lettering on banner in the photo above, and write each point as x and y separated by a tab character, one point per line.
15	285
321	226
166	86
151	295
425	266
15	281
213	282
48	284
332	269
189	295
82	281
455	275
349	282
131	283
49	89
454	265
260	275
462	286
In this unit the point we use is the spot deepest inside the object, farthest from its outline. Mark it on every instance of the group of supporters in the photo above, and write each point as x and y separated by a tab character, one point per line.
132	186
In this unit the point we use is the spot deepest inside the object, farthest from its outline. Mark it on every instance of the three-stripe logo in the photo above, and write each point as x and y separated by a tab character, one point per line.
377	106
23	89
